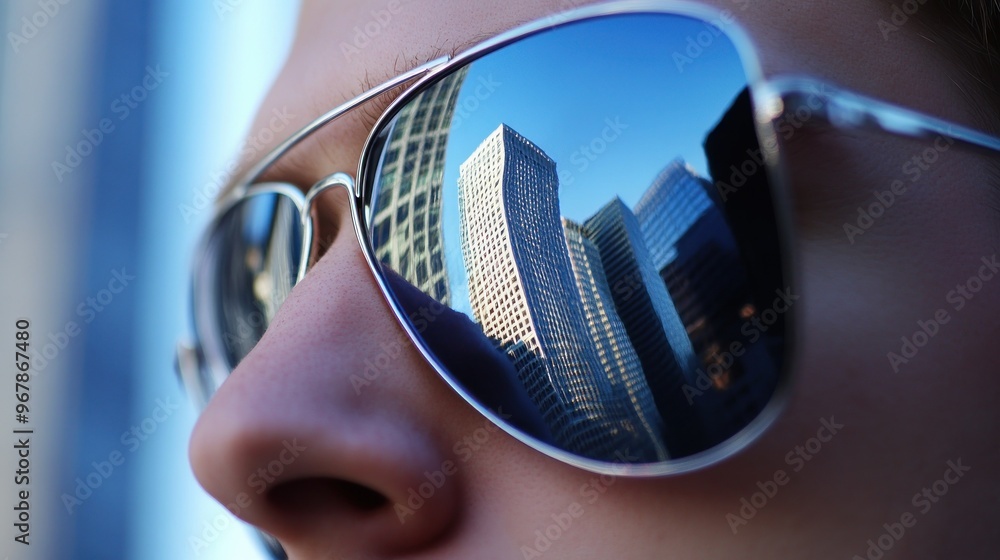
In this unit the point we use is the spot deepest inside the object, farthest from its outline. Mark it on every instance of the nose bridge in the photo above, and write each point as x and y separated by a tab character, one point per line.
339	179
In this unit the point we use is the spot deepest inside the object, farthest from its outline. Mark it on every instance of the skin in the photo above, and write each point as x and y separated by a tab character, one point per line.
900	428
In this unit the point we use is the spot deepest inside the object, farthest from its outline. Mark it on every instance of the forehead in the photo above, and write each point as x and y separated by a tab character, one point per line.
338	53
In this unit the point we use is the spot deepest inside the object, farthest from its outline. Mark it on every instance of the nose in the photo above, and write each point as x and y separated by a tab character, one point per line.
293	444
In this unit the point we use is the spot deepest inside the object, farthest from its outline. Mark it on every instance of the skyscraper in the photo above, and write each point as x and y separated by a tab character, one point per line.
652	322
410	185
672	203
693	250
614	349
523	292
749	209
697	257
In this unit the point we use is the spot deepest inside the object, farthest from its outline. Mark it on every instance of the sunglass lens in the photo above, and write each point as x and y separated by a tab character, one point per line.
248	270
580	227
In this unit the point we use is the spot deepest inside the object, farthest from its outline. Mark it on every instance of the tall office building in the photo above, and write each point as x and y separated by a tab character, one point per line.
693	250
407	234
523	292
699	261
672	203
750	210
614	349
652	323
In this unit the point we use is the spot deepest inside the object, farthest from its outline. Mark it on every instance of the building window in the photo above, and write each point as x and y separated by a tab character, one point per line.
421	272
381	233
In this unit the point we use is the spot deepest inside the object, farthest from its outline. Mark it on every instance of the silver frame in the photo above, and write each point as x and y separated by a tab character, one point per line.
771	98
755	81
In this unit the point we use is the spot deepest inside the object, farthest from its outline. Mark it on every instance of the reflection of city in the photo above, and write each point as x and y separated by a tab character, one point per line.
524	289
698	259
407	233
610	322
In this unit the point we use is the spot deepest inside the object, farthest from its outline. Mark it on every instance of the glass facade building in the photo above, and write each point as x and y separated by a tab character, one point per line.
651	320
614	348
407	230
669	207
524	294
698	259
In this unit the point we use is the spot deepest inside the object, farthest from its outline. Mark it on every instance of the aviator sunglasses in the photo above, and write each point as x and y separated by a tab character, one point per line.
582	225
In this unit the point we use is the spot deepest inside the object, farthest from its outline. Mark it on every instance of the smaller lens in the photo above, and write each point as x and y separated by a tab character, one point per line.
250	266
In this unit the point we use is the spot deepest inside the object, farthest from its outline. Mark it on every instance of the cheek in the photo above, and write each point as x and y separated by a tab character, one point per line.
894	348
896	329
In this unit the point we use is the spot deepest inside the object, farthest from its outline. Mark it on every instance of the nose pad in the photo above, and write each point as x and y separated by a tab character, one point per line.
338	179
321	227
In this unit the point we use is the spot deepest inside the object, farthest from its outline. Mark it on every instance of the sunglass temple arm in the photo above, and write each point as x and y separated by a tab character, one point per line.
847	109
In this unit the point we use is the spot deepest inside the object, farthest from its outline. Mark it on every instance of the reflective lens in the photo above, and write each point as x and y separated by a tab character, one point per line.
249	267
580	227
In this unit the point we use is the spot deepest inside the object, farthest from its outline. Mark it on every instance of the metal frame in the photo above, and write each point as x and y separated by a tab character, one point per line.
771	98
755	81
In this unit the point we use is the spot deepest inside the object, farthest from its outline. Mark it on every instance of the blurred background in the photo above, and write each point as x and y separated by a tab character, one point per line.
118	122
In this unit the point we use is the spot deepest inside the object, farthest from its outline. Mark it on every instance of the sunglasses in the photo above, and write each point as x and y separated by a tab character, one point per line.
582	225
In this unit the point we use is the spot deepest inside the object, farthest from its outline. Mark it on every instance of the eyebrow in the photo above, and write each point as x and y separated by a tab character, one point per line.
371	111
366	107
367	112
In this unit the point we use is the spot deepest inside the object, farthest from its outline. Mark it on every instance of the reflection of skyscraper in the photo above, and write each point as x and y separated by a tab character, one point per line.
651	321
697	258
410	184
750	209
674	201
523	292
753	263
614	349
692	248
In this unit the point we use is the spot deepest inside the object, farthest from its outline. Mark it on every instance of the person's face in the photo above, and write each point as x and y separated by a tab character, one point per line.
356	456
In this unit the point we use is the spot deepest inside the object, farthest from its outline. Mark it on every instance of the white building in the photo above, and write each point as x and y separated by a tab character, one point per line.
524	293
